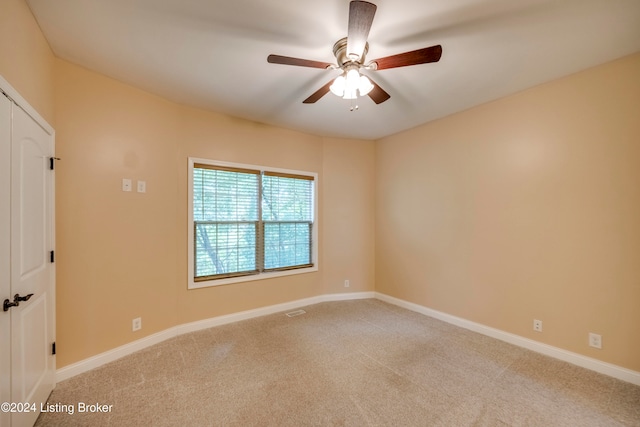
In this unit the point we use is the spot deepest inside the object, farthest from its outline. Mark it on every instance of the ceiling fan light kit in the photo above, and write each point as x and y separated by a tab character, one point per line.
350	53
350	84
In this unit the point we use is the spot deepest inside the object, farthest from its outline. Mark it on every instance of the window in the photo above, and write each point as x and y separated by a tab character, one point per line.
249	222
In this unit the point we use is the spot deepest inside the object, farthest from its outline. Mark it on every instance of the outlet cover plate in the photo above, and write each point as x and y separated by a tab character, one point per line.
136	324
595	340
537	325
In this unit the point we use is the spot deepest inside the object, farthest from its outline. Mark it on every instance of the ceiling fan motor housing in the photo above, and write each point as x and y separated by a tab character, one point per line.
340	52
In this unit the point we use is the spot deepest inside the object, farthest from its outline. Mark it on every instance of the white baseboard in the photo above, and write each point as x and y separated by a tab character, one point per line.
113	354
263	311
127	349
555	352
558	353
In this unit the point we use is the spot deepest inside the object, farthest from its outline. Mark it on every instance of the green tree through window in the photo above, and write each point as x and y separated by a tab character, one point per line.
250	221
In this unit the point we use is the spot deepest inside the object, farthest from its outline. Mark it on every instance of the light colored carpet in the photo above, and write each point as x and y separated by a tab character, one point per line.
351	363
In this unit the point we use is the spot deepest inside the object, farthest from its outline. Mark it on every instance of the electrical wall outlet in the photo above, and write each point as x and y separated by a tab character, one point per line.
595	340
142	186
136	324
537	325
346	283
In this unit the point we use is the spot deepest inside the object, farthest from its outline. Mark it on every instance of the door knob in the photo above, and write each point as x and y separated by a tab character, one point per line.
17	298
8	304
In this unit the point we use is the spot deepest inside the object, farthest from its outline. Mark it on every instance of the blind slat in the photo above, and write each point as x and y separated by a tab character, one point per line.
289	175
225	168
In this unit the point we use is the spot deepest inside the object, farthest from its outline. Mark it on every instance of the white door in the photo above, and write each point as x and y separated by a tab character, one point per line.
5	254
32	272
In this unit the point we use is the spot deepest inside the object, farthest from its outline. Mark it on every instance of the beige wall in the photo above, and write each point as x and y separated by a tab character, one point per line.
212	136
26	61
348	232
527	207
116	251
124	255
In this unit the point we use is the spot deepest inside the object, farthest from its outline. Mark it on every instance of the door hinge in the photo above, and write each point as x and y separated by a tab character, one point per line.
52	162
53	348
52	257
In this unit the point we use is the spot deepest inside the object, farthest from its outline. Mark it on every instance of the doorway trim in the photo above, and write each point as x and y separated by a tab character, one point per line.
24	104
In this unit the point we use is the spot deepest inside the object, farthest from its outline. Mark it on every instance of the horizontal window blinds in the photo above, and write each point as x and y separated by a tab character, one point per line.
287	213
225	209
247	221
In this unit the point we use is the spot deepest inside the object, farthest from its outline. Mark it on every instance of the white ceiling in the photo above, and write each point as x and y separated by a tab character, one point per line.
213	53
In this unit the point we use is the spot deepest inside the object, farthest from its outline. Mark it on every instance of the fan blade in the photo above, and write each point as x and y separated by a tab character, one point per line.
318	94
361	15
287	60
378	94
420	56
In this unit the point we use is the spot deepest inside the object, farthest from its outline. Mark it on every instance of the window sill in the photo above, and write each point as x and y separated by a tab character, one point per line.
253	277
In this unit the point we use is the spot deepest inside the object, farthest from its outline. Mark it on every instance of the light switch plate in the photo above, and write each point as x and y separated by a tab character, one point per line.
126	184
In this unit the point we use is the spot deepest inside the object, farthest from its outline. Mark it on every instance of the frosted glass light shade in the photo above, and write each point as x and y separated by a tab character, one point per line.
337	88
350	93
365	86
350	84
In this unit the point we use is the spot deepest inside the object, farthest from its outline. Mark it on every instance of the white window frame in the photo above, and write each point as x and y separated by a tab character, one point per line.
193	284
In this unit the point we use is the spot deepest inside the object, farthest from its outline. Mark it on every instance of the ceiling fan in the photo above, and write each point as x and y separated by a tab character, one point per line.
350	53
